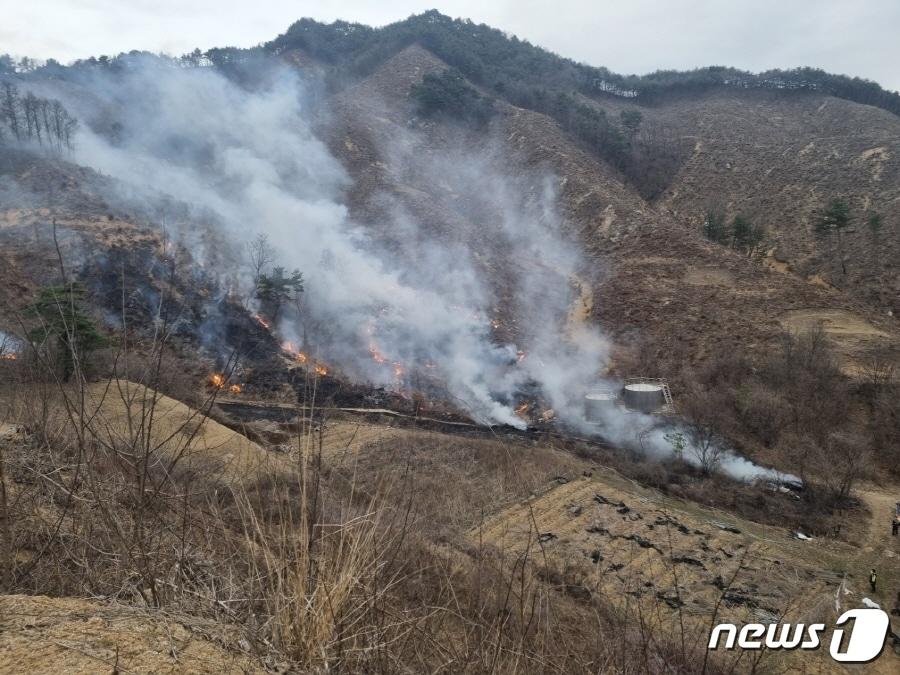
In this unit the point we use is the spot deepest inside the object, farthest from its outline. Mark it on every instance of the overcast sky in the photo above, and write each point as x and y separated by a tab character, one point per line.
853	37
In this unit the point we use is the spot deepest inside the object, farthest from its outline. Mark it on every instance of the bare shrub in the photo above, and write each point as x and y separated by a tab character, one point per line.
764	412
879	369
845	460
361	568
704	413
884	427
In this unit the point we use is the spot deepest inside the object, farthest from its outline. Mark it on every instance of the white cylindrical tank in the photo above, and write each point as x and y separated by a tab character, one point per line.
647	397
597	404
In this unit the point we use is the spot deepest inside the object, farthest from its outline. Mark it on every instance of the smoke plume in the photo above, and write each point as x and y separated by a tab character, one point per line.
252	161
487	312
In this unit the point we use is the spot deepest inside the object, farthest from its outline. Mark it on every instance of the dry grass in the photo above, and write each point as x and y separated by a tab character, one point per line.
359	566
388	555
120	413
73	636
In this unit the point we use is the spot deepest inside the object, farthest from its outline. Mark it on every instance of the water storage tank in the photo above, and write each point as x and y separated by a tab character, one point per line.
598	404
647	397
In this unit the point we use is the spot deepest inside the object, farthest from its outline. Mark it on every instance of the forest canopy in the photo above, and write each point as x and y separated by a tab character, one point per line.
518	70
447	93
514	69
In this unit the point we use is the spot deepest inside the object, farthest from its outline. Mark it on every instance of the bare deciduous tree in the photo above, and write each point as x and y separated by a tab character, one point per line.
878	369
845	459
261	255
703	412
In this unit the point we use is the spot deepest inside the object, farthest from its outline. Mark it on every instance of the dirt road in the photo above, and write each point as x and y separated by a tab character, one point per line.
879	550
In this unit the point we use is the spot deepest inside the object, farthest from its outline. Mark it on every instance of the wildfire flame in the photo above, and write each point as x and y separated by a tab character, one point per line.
218	380
321	370
9	356
522	409
520	356
377	356
291	350
262	322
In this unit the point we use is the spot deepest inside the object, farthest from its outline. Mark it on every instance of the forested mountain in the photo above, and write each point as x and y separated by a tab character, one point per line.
526	75
691	145
397	264
516	71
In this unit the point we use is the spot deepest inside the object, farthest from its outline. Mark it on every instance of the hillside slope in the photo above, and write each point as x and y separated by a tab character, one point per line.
779	159
651	271
371	525
73	637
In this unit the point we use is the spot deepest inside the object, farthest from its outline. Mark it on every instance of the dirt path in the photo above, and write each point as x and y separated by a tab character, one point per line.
882	551
879	549
881	503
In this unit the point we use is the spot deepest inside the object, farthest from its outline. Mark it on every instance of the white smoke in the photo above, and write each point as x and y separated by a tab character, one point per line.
9	344
653	436
252	160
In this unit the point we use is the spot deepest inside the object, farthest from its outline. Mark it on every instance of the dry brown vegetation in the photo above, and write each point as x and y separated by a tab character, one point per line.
326	543
797	408
113	491
651	272
355	546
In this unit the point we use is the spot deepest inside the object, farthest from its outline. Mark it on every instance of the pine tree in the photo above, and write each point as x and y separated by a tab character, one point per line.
834	219
715	228
756	240
58	309
273	290
9	108
741	233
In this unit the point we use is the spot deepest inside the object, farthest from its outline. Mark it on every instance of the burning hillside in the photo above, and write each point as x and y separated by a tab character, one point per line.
488	310
419	348
394	319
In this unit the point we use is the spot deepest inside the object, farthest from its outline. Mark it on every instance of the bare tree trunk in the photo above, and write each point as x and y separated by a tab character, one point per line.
5	527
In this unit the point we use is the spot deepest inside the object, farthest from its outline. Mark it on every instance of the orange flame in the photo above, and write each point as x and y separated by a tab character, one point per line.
377	356
9	356
321	370
522	409
291	350
262	322
217	380
234	389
